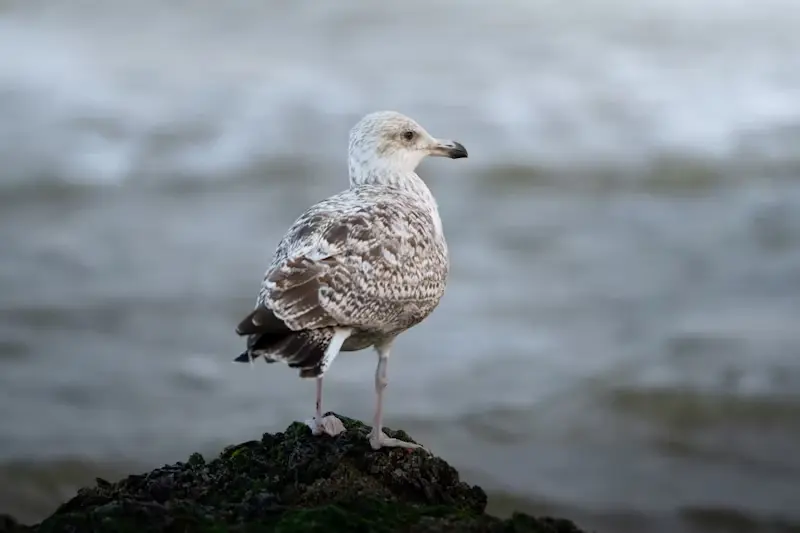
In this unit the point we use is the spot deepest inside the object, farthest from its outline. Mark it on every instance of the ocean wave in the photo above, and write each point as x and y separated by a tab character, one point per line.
97	99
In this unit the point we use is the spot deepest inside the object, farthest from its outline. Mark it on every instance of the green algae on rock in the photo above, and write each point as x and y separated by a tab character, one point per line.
292	482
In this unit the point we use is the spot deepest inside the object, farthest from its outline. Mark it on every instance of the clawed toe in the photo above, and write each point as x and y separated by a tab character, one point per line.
381	440
327	425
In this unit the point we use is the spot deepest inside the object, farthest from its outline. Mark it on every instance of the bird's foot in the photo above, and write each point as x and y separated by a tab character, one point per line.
379	440
327	425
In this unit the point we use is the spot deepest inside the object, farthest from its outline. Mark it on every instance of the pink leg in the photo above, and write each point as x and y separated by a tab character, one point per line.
319	398
329	425
380	385
377	438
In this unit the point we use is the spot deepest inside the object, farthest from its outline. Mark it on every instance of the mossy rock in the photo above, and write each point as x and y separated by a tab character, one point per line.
292	482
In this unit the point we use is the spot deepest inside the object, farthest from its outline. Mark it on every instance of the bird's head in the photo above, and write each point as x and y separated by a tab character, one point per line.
387	141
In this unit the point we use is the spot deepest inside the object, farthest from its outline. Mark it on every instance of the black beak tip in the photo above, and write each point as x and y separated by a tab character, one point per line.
458	151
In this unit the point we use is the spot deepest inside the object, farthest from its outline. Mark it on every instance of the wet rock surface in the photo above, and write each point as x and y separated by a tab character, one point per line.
292	482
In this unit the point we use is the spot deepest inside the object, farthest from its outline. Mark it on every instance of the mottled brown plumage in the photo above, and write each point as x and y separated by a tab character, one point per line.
372	260
358	268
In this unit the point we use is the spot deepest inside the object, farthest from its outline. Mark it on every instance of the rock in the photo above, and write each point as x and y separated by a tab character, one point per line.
9	525
292	482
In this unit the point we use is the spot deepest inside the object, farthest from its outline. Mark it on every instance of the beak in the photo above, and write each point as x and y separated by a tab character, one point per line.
451	149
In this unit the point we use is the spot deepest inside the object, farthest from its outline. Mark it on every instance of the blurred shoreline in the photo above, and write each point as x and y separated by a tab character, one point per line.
618	340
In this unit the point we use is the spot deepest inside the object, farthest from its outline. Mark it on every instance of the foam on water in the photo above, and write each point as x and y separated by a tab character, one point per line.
103	93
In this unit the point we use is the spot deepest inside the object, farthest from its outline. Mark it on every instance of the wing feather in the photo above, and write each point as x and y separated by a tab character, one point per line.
355	265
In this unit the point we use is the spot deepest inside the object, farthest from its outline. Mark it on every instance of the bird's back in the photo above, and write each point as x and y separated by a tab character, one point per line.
385	255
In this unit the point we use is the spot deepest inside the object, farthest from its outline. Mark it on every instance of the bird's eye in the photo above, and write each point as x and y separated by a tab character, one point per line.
408	135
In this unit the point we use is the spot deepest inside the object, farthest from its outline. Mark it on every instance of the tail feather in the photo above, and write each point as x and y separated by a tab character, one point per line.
244	357
298	349
310	350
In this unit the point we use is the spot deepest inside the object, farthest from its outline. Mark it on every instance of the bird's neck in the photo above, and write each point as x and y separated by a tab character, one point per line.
379	177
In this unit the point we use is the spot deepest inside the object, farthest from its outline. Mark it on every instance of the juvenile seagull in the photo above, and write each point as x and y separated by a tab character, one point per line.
359	268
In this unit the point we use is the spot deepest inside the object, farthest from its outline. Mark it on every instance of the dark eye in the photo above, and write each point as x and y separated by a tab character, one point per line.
408	135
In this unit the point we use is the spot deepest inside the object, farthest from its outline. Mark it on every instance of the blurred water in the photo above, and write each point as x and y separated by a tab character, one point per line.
618	340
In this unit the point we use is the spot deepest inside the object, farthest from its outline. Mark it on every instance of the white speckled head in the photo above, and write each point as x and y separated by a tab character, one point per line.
387	143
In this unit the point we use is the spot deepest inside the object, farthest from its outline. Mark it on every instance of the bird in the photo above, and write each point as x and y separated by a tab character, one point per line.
359	268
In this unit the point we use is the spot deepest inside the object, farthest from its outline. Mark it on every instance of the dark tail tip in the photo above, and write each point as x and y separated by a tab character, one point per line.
244	357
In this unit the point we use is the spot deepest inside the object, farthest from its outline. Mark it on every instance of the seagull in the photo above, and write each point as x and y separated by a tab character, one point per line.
358	268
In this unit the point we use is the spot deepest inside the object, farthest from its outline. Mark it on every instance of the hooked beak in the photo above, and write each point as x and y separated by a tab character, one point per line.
451	149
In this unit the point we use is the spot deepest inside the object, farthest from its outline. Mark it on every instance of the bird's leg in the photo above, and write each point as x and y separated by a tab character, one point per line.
319	425
315	424
316	430
329	425
377	438
319	398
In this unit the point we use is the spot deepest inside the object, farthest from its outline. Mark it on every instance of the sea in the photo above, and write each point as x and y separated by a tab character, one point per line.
618	343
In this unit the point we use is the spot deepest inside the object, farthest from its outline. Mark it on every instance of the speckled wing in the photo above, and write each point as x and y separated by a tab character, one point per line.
369	263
